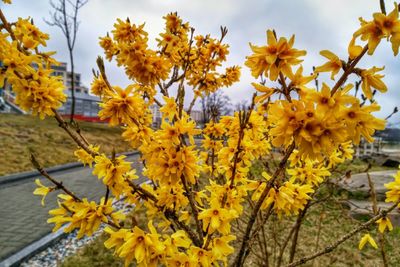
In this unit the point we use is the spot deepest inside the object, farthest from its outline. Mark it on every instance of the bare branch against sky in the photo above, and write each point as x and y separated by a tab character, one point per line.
64	15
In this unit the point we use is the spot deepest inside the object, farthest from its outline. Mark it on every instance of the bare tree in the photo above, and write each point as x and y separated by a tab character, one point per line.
215	105
65	16
242	105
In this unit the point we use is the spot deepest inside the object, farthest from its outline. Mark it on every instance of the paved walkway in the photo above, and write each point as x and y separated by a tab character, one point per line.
359	201
23	219
358	183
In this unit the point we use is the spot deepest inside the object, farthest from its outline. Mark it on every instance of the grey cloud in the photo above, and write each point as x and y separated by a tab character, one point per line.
317	24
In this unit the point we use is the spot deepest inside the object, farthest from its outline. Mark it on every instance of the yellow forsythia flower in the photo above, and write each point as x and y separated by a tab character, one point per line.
382	26
169	109
353	49
370	78
85	157
333	65
278	55
393	193
266	92
217	218
367	238
221	248
384	223
112	172
42	190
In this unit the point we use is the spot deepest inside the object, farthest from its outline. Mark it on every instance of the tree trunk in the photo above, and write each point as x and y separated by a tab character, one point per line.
71	57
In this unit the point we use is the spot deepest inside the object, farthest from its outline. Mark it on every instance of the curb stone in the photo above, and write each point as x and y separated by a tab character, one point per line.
32	249
49	239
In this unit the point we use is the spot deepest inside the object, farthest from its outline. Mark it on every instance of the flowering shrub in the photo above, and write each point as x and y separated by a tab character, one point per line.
195	192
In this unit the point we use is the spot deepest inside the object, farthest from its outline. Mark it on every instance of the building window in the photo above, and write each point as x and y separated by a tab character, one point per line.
79	106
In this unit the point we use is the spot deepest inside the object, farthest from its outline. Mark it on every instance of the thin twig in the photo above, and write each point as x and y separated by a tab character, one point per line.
239	261
348	70
286	89
6	25
299	220
334	245
146	195
73	135
375	211
395	110
59	185
382	5
195	210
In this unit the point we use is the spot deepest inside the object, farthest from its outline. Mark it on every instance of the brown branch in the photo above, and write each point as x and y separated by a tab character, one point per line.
163	90
348	71
59	185
192	104
174	78
73	135
334	245
100	65
319	232
382	5
181	88
286	90
158	103
194	208
144	194
173	217
395	110
266	257
6	25
244	122
170	214
239	261
375	210
268	213
299	220
382	248
285	243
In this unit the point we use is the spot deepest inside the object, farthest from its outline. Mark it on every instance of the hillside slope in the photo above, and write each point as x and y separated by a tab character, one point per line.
22	134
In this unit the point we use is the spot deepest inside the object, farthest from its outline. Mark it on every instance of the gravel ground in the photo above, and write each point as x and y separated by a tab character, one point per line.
54	254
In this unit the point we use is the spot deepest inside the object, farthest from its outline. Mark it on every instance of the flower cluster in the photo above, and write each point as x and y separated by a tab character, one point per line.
278	56
84	215
152	249
320	121
84	157
28	71
114	173
129	46
382	26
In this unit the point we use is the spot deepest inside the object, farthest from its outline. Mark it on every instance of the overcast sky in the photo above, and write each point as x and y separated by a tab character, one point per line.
317	24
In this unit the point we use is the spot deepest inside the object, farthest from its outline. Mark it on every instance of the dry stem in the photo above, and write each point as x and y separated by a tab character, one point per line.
334	245
239	261
349	70
59	185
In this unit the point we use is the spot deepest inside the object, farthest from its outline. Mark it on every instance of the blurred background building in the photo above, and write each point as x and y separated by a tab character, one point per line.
86	104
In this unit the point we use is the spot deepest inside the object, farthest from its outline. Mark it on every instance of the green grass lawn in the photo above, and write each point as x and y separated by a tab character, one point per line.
21	135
